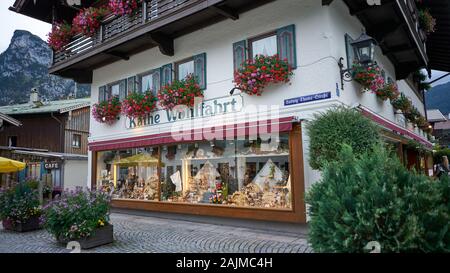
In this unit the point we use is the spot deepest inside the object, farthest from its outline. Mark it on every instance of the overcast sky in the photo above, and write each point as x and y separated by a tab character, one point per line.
12	21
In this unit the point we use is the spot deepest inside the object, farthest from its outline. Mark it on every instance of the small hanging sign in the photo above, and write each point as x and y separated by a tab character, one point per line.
309	98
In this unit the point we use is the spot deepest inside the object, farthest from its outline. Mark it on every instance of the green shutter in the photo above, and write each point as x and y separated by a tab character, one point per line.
122	89
156	77
349	50
239	54
131	83
101	93
286	45
200	69
166	74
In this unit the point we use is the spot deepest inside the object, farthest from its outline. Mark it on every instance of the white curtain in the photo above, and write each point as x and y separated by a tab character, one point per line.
266	46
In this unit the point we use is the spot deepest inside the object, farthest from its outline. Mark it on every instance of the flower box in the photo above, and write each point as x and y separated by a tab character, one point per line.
30	225
101	236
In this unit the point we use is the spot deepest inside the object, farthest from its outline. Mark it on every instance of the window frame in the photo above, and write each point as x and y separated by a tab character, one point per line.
108	91
259	37
79	141
183	61
139	80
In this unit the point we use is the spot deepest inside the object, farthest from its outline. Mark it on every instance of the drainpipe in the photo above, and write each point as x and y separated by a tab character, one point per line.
61	143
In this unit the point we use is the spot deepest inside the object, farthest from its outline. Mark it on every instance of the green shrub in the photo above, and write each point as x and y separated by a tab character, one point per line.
76	215
439	153
373	197
340	125
19	204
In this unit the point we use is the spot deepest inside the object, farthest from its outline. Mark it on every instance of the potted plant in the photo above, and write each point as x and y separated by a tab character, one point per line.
255	74
402	103
412	115
180	92
107	111
388	91
427	21
124	7
60	35
137	105
81	216
19	208
369	77
88	20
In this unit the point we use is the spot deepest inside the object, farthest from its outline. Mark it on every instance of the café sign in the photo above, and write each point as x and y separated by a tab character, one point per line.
51	165
204	109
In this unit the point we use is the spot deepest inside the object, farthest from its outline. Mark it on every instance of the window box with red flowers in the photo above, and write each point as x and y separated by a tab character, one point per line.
138	105
107	111
180	92
60	36
369	77
88	20
388	91
256	74
124	7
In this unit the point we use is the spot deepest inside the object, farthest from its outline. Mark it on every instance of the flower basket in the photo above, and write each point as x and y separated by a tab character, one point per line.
107	111
138	105
124	7
255	75
81	216
100	236
88	20
388	91
402	103
369	77
60	36
179	92
427	21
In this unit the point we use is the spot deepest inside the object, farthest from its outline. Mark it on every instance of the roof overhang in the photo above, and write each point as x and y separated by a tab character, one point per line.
438	43
10	120
45	10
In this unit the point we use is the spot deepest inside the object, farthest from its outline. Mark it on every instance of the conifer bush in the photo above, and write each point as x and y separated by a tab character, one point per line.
373	197
329	130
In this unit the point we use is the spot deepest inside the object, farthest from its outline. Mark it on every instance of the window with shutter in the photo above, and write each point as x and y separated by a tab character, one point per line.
166	74
101	93
184	68
132	86
156	81
349	50
239	54
200	69
286	45
122	90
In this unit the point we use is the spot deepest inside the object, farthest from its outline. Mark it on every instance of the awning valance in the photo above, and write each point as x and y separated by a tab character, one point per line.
210	133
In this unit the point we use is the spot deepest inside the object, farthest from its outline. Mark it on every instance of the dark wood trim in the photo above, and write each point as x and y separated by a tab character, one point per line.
178	63
94	159
225	11
164	42
118	55
257	38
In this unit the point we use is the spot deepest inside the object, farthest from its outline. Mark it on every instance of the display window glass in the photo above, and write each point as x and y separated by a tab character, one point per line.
242	173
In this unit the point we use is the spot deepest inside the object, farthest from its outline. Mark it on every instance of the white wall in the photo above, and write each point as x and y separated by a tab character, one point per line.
75	173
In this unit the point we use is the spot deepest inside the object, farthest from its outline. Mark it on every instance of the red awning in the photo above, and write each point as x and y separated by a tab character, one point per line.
396	128
208	133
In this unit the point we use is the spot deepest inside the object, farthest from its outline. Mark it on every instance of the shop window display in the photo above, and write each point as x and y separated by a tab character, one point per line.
241	173
129	174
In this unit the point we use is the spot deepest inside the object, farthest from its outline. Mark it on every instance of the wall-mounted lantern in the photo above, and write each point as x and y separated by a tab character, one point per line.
364	49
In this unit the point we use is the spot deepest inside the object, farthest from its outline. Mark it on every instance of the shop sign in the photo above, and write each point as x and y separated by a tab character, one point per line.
51	165
309	98
207	108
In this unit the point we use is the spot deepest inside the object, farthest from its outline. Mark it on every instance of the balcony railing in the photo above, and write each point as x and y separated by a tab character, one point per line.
412	13
113	26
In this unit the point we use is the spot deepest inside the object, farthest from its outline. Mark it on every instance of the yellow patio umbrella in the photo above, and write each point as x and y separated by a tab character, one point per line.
8	165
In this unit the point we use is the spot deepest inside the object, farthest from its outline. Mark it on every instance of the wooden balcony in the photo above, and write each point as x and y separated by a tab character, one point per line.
395	25
156	24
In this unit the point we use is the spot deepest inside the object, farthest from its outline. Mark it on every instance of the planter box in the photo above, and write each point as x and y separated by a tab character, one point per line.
100	236
31	224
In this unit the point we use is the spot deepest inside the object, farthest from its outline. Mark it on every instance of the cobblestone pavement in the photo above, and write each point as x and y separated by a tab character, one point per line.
150	234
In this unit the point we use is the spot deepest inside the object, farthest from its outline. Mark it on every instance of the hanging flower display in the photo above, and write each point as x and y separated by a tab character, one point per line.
368	76
89	20
402	103
388	91
256	74
427	21
137	105
107	111
124	7
412	115
60	35
180	93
